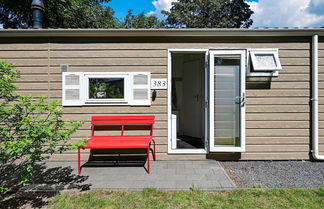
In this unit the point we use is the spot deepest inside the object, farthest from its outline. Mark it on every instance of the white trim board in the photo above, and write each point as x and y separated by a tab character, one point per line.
212	54
181	151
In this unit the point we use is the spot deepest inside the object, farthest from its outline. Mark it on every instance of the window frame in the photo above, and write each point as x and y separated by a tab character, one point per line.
263	71
127	88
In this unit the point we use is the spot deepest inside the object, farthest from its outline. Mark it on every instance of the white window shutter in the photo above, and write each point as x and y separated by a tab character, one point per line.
72	94
140	85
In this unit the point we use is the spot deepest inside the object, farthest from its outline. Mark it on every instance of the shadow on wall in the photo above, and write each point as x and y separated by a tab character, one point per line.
47	181
224	156
258	82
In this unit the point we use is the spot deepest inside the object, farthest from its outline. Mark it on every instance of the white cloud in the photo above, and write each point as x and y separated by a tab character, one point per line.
290	13
161	5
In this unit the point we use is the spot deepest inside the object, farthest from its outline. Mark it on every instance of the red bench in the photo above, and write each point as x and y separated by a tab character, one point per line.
122	141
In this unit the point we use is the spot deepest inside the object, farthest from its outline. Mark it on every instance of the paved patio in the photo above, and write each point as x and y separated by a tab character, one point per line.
165	175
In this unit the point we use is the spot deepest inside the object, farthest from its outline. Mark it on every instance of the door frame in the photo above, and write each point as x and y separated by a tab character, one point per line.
242	74
186	151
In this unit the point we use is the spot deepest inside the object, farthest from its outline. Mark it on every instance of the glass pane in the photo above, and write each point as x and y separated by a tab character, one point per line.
106	88
227	107
265	61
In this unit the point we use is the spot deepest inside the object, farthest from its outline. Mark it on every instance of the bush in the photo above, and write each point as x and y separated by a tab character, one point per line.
31	129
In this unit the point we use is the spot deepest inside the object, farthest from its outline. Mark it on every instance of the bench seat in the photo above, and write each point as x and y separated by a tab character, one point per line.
118	142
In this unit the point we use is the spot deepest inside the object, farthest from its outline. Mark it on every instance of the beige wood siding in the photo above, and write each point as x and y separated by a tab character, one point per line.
31	57
278	110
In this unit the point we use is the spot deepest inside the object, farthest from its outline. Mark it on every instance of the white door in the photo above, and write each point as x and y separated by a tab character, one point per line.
192	120
227	101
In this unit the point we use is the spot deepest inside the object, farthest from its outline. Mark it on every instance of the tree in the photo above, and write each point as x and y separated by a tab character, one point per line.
140	21
31	130
209	14
59	14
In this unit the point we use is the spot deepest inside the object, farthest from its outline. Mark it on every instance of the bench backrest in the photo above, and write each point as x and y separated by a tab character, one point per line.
147	120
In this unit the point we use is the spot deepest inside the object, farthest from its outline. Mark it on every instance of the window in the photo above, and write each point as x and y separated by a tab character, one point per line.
83	88
263	62
106	88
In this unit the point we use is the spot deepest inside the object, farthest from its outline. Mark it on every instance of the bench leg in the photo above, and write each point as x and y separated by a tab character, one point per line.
154	154
148	159
79	163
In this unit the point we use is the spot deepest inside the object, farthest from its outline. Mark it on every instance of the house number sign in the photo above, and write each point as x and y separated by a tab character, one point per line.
159	83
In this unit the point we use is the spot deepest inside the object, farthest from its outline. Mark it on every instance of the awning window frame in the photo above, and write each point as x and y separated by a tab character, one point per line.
263	71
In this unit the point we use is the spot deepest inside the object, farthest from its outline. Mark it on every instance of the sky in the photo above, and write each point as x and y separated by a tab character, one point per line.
267	13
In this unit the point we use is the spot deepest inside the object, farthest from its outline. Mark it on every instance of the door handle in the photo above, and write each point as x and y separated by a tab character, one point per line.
196	97
240	100
243	100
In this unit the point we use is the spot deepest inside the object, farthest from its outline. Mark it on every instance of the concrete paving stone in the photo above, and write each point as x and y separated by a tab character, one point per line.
169	175
160	165
148	178
198	167
210	177
173	162
208	171
208	184
176	166
226	184
195	178
121	185
225	181
162	170
179	178
187	162
190	166
204	172
184	184
165	184
166	172
142	184
185	171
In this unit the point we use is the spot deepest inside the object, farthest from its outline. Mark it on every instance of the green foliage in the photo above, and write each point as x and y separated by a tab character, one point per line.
31	128
141	21
7	77
78	14
14	14
151	198
58	14
209	14
96	14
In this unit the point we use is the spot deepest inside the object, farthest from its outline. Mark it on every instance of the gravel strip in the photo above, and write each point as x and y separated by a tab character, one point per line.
269	174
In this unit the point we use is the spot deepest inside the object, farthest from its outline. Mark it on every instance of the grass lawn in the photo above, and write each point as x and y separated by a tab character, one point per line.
150	198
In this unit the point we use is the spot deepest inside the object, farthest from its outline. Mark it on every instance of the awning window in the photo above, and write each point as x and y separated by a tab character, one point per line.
264	62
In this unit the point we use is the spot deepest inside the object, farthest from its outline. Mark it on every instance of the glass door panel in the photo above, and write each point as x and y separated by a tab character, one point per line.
227	101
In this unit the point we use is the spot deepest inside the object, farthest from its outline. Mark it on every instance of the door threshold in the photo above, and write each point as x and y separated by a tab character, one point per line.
187	151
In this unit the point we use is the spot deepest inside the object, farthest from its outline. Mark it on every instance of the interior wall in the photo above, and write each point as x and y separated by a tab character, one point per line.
177	88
